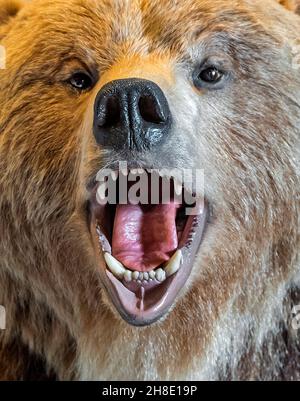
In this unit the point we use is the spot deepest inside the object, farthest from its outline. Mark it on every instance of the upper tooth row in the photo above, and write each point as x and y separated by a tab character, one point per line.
139	171
159	274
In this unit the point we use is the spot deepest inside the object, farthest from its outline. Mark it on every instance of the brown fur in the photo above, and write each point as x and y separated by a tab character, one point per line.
233	320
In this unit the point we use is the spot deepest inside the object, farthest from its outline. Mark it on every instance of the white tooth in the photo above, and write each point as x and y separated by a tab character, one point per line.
114	265
178	188
124	171
135	275
141	276
174	264
114	175
160	274
128	276
152	274
101	194
146	276
164	172
137	171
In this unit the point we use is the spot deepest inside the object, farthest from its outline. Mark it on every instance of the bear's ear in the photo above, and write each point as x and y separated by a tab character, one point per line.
9	9
292	5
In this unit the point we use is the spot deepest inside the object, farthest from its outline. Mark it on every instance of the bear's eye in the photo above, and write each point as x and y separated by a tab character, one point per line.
81	81
208	77
211	75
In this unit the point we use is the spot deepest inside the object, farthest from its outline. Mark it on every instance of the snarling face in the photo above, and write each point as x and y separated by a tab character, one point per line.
164	88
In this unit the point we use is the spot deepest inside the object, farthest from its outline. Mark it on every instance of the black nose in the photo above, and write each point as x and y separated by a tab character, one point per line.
131	114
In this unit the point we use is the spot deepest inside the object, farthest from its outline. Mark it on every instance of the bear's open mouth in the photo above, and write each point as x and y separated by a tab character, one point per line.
147	250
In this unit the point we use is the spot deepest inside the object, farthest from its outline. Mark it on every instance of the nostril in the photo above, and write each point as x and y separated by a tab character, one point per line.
110	115
150	110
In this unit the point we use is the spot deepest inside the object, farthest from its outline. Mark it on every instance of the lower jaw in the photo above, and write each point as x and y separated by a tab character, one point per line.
150	303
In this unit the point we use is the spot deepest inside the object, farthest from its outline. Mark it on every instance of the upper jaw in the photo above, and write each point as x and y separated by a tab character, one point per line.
143	295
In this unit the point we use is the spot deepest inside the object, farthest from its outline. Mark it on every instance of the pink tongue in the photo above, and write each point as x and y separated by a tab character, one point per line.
144	236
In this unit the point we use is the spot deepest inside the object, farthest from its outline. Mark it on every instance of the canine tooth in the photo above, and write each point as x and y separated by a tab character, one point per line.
114	265
128	276
160	274
101	194
135	275
124	171
174	263
178	188
114	175
146	276
152	274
